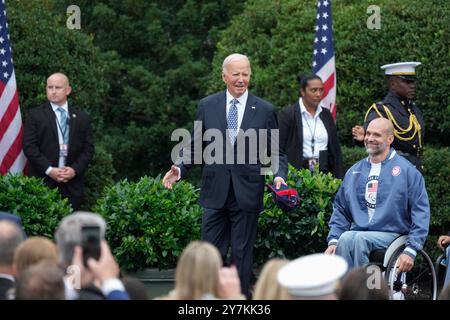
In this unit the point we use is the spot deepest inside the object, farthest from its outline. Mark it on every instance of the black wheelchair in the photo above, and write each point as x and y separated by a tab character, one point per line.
440	266
420	283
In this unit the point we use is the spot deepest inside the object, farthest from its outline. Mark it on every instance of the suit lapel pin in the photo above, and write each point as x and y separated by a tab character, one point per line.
253	107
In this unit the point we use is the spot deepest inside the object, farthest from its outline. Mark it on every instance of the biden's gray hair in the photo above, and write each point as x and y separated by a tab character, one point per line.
234	57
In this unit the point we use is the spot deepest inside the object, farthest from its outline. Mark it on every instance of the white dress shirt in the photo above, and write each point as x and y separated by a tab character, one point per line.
313	126
65	106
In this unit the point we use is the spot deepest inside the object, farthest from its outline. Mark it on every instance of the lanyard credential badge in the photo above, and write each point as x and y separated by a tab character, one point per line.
63	150
312	162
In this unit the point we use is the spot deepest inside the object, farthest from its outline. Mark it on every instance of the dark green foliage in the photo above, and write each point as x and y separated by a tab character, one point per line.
43	45
278	38
148	225
431	247
136	148
164	51
437	174
98	176
139	67
40	208
352	155
300	231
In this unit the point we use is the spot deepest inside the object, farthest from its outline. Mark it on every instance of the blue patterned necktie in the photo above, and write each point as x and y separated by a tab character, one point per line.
232	120
63	125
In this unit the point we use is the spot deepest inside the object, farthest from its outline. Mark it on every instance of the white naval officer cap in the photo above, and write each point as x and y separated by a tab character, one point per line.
406	70
312	275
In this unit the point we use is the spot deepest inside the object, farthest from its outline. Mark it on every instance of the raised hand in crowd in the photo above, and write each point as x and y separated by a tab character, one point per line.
106	267
229	284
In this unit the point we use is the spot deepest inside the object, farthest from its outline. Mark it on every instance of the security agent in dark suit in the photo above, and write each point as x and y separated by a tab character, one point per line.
307	131
398	106
232	192
58	142
97	279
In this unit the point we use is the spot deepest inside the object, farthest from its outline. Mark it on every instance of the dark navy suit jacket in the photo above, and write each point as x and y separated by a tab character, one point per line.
245	176
41	146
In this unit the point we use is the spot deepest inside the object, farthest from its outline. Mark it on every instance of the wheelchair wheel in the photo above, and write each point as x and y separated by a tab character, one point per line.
417	284
440	267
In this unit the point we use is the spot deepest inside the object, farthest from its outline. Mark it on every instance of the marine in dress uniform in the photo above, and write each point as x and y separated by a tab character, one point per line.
397	106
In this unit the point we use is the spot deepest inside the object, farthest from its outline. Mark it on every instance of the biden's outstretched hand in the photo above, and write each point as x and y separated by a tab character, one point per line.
171	177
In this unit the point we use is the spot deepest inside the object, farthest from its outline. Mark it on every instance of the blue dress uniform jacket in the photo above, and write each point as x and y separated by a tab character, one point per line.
402	202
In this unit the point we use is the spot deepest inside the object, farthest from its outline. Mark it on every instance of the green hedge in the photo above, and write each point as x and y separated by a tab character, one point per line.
278	37
300	231
98	176
352	155
40	208
437	174
148	225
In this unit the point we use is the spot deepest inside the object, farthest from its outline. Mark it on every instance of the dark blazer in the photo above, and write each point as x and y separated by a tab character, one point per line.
246	179
41	146
5	286
291	138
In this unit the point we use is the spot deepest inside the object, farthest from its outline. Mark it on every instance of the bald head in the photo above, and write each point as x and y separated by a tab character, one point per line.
58	88
382	124
60	76
378	139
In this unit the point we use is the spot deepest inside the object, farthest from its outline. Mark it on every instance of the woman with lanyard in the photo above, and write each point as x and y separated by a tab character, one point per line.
307	131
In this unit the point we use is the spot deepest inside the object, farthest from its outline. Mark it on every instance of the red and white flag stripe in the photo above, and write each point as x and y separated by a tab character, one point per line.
328	75
12	158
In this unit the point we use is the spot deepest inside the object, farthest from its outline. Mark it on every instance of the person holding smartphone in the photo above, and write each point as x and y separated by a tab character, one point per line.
92	272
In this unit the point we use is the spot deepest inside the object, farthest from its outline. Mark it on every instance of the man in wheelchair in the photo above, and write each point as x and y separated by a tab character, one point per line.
381	197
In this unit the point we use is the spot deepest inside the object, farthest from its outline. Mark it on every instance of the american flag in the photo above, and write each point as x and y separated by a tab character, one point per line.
372	187
12	158
323	54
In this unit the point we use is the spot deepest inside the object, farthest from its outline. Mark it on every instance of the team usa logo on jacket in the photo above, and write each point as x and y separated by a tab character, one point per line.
396	171
371	192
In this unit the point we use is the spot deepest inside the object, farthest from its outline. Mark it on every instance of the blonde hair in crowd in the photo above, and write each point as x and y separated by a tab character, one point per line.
267	286
197	272
34	250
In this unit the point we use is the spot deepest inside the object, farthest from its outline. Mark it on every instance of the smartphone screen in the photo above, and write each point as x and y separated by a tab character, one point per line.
90	242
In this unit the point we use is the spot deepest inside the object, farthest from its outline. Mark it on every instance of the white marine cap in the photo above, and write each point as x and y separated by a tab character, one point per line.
313	275
401	69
